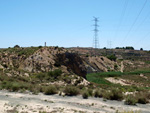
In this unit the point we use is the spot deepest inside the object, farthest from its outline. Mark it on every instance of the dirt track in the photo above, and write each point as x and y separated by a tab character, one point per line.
27	103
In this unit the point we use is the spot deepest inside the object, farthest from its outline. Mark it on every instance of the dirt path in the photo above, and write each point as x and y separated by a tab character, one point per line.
26	103
118	81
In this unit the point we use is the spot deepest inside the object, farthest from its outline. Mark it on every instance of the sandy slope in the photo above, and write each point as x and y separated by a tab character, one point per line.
11	102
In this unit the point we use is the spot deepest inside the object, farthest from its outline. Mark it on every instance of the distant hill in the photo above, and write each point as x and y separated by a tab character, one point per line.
78	61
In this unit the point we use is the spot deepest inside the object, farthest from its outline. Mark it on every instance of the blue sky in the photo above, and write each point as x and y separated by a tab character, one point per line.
68	23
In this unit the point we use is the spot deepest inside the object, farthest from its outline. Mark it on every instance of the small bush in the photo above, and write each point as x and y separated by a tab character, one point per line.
90	92
6	85
98	94
85	95
71	91
117	95
34	91
142	97
40	76
130	100
142	100
50	90
112	57
55	73
15	86
40	47
16	46
114	94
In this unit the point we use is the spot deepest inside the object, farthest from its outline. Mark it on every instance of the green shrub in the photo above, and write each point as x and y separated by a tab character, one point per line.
55	73
85	95
90	92
15	86
71	91
130	100
40	47
67	80
129	47
98	94
142	100
114	94
35	91
16	46
142	97
6	85
115	66
112	57
41	76
50	90
117	94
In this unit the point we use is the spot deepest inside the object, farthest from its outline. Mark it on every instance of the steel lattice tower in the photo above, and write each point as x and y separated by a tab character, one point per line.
95	41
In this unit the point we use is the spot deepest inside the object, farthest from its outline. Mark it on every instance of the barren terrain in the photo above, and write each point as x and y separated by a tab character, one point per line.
11	102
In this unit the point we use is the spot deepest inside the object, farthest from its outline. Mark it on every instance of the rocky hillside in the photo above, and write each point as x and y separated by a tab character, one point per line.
74	61
114	59
45	59
18	61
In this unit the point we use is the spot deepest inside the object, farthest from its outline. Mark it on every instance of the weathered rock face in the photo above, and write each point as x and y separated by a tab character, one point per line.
47	59
41	61
100	64
73	63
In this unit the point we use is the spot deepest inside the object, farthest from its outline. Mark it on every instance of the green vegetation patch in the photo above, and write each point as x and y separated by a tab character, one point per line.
21	51
71	91
50	90
99	78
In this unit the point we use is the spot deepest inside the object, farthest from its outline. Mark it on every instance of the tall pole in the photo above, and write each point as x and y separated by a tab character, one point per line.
96	41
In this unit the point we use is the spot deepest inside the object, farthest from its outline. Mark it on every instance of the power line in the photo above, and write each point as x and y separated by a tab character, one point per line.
141	25
142	22
135	21
143	38
121	18
96	41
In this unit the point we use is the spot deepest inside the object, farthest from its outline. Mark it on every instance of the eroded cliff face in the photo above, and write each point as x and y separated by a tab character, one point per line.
100	64
43	60
47	59
40	61
73	62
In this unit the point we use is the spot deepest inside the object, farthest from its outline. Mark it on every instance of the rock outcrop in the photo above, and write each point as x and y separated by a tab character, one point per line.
73	63
42	60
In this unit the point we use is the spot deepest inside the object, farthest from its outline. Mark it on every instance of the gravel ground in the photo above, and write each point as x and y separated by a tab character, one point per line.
11	102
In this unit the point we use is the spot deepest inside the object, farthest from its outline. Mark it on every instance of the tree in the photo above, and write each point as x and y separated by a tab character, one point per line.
130	47
141	49
112	57
16	46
